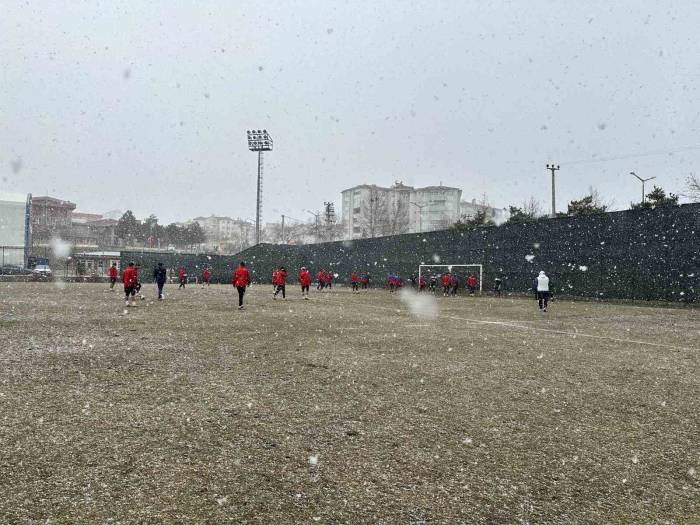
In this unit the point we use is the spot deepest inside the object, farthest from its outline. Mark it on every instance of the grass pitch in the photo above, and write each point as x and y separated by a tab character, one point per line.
344	409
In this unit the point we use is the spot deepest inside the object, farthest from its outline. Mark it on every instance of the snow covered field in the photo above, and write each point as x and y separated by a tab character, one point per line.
346	408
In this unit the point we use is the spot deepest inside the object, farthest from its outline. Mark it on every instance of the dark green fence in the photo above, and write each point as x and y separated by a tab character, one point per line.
634	254
220	266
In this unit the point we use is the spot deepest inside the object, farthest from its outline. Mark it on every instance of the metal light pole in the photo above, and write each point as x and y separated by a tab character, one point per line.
317	215
259	141
642	181
553	168
420	215
287	217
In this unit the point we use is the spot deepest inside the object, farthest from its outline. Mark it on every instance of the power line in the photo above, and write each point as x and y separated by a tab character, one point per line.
633	155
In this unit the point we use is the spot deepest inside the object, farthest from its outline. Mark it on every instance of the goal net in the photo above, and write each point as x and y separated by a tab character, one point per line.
461	271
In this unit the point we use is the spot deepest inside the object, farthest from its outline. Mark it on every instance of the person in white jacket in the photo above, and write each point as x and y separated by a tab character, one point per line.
541	286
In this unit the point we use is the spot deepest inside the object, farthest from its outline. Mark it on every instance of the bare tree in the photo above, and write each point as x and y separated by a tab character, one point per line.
532	208
374	213
397	217
598	201
693	187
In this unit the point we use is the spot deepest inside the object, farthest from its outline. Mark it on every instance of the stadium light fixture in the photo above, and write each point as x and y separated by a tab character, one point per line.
642	181
259	141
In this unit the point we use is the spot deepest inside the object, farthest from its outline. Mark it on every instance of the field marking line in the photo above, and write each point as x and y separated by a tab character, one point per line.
546	330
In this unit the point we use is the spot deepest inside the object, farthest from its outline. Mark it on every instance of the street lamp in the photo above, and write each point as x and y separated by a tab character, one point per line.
283	218
259	141
317	215
553	168
642	181
420	215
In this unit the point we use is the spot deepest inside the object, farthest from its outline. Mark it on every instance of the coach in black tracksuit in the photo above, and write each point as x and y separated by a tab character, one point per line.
160	276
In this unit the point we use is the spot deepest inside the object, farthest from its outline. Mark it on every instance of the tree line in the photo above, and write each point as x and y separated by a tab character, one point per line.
150	233
590	204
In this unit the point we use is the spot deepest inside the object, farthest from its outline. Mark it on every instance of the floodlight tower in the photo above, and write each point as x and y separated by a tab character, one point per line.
642	181
259	141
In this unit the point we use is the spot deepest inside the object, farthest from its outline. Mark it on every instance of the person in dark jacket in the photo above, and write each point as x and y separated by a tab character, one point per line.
497	286
160	276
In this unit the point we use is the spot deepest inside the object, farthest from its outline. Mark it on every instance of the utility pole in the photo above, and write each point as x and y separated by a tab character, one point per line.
553	168
330	218
283	230
420	215
642	181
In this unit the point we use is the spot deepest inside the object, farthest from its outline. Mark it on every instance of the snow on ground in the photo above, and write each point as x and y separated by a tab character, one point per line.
344	409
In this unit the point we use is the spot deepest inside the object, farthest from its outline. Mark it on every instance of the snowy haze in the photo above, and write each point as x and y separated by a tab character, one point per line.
144	105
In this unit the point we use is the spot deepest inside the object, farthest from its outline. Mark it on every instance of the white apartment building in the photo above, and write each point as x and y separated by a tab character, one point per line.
225	234
468	210
434	208
216	228
373	211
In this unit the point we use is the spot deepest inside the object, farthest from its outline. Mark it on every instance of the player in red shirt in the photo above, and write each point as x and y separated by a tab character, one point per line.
305	282
113	275
206	277
472	282
281	283
241	280
446	277
321	277
130	277
355	282
182	274
275	278
422	283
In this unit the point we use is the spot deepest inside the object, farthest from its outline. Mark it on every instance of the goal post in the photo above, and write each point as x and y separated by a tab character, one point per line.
423	267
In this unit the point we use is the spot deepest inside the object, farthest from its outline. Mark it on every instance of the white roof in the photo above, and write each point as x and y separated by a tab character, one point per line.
99	254
7	196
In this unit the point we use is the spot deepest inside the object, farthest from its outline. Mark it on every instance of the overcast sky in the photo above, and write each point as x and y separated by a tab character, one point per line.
144	105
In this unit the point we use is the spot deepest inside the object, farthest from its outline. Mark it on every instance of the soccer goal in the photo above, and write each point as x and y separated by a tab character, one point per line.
462	270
